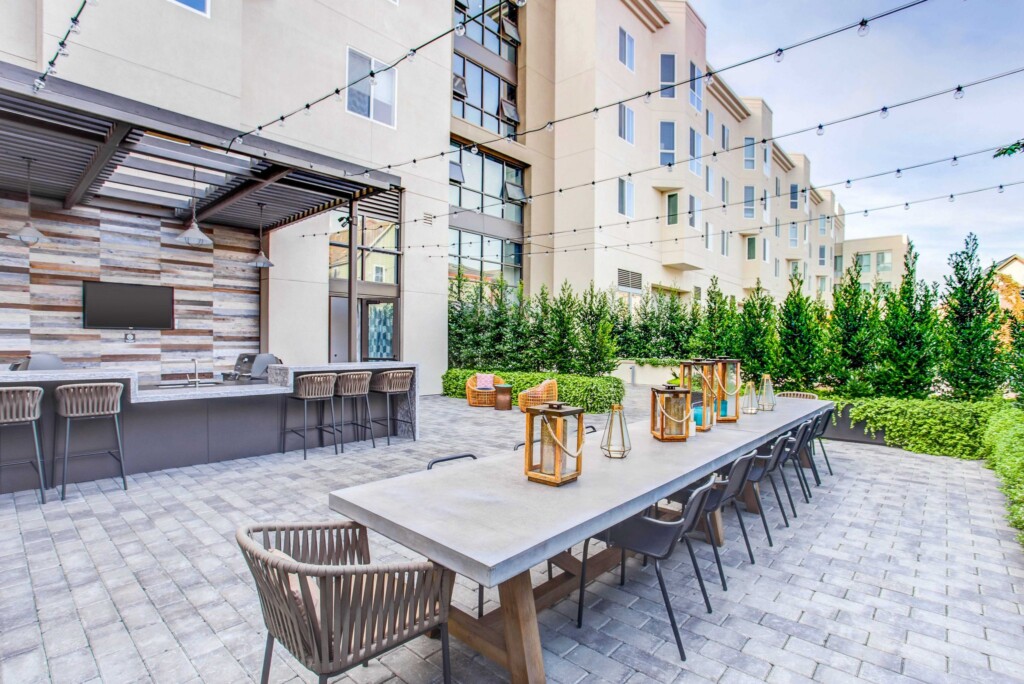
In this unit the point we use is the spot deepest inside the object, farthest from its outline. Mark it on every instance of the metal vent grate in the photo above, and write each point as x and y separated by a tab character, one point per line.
630	280
428	219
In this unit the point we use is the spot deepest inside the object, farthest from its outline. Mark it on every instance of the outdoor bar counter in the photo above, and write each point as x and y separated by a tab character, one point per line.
169	426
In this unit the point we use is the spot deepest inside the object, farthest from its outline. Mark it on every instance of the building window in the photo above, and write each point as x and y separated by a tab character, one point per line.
822	284
627	49
378	256
883	261
696	88
725	193
837	266
794	196
630	281
626	197
749	162
696	292
708	231
725	138
496	29
821	255
751	248
822	225
709	180
694	213
378	273
794	235
767	159
778	187
778	232
375	102
864	260
626	123
806	233
668	75
883	288
673	208
793	267
695	153
484	258
709	125
199	6
485	184
748	201
482	98
765	206
725	243
667	142
764	250
865	287
776	267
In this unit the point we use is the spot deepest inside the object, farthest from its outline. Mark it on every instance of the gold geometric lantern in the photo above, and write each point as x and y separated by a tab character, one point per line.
766	398
727	389
748	404
553	462
704	373
670	413
615	441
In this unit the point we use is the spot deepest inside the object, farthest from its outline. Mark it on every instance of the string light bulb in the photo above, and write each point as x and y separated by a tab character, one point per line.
865	212
883	113
714	156
863	28
647	97
238	140
821	129
62	49
779	55
75	26
899	173
337	94
1001	189
474	149
848	183
280	120
670	166
373	78
958	94
954	161
38	85
258	132
410	56
952	198
460	29
549	126
906	206
520	3
709	79
596	112
308	110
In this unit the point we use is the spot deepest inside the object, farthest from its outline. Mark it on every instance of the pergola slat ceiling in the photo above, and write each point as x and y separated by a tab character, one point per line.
79	158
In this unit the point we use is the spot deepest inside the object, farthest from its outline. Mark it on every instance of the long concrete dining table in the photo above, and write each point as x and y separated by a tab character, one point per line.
486	521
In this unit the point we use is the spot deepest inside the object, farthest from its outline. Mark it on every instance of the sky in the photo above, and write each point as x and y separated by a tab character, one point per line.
925	49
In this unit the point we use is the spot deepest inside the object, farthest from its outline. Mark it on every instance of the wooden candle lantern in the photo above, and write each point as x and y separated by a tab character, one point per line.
551	460
670	413
727	389
704	415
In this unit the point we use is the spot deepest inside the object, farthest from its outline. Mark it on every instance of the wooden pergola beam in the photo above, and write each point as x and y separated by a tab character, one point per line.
104	153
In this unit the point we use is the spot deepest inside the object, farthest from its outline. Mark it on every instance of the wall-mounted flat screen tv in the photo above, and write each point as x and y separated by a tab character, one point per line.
127	307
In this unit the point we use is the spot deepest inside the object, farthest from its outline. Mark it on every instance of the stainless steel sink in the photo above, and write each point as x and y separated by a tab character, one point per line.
184	385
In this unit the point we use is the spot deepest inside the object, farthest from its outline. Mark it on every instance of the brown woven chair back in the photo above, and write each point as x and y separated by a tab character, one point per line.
315	386
327	605
20	404
797	395
392	381
89	400
353	384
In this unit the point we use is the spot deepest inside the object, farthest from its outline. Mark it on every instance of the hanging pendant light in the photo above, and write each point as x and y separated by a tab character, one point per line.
261	260
192	235
28	234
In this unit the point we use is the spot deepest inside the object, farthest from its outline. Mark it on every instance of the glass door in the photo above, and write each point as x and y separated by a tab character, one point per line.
380	331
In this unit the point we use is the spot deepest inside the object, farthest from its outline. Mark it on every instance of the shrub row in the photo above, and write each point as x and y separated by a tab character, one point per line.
594	395
1003	444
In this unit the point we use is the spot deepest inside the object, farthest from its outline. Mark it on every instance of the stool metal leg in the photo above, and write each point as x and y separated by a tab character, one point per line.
369	421
408	401
334	425
39	462
120	451
388	395
67	447
305	426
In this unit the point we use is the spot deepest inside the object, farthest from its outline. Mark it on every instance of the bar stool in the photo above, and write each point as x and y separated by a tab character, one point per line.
355	386
391	383
319	388
88	401
23	406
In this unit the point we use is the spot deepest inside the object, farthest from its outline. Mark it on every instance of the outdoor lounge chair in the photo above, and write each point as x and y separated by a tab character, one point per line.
478	397
332	609
541	394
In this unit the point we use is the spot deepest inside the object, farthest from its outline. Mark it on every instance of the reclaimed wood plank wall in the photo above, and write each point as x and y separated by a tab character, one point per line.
216	294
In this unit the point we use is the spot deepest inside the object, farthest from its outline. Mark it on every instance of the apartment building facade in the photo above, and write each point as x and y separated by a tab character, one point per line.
880	258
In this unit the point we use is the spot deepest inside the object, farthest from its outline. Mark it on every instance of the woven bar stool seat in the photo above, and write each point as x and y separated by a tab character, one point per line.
88	401
390	383
317	388
355	386
23	406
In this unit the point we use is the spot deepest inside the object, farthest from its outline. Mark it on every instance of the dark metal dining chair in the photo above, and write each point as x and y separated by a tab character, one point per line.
763	468
656	539
824	418
459	457
803	437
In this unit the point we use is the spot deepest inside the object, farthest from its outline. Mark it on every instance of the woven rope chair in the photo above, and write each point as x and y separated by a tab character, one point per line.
329	607
23	406
798	395
541	394
317	388
394	383
87	401
353	387
482	398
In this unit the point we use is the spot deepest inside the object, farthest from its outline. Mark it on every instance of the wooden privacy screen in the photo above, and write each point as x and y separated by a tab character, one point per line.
216	296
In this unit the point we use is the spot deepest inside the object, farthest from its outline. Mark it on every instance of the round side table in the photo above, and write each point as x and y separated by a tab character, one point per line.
503	398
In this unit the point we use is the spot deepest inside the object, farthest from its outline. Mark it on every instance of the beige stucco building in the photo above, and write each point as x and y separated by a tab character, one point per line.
665	191
881	260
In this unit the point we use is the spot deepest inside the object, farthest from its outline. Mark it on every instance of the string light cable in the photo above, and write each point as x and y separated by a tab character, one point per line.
776	54
75	26
459	28
897	172
715	155
1000	188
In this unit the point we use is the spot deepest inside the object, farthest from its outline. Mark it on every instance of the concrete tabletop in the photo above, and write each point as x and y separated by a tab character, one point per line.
485	520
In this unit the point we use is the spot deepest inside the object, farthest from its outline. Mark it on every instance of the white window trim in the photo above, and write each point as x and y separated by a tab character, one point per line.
628	198
373	64
665	92
194	10
627	122
696	153
675	145
630	54
764	249
751	240
749	145
749	206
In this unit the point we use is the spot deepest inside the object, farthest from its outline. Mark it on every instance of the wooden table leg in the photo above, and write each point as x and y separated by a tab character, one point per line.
522	635
750	497
716	535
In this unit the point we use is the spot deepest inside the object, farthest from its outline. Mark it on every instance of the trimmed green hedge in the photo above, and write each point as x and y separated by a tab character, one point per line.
926	426
595	395
1003	444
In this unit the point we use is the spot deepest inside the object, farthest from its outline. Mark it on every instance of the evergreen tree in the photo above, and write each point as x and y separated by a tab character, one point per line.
907	344
645	326
715	335
852	334
694	319
597	349
677	332
562	340
540	323
622	327
496	351
972	364
758	336
800	340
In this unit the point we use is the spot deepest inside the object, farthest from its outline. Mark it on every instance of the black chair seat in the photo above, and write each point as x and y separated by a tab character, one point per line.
643	535
757	471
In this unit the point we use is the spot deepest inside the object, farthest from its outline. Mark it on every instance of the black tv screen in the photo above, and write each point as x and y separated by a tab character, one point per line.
123	306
